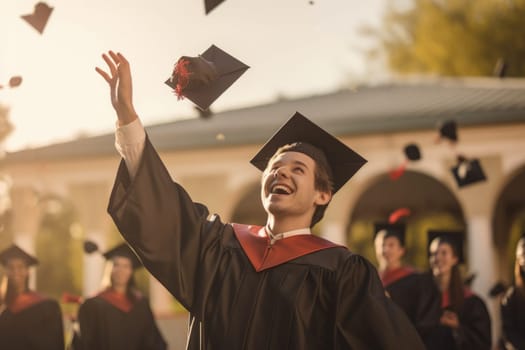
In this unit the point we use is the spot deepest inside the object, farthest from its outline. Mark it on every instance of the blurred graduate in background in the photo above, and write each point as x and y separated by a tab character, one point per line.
28	320
119	317
513	304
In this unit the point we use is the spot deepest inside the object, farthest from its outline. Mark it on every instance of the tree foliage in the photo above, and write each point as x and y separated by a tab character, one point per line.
455	37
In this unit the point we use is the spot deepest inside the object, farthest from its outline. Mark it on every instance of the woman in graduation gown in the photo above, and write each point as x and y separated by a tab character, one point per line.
119	317
463	322
28	320
402	282
513	304
245	286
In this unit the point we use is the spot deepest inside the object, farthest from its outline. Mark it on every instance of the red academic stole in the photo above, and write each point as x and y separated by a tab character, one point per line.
445	299
118	300
263	256
24	301
391	276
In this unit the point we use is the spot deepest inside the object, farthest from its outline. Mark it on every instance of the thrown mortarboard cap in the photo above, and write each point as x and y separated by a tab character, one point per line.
454	238
342	161
13	252
90	247
468	172
391	230
123	250
211	4
412	154
448	130
204	78
38	19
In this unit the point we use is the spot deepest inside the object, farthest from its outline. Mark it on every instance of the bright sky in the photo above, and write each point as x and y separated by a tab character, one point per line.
294	48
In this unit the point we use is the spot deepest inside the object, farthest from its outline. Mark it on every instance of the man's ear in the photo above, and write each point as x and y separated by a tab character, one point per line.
323	197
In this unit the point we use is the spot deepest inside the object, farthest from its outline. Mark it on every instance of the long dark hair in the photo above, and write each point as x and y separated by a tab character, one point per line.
456	290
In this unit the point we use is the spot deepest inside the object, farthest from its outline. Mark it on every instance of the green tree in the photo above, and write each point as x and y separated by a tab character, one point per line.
454	37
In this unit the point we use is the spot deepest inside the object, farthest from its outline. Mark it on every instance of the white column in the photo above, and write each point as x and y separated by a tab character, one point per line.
334	231
93	265
482	256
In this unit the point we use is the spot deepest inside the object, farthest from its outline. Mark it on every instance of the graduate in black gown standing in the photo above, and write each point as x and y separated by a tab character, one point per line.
463	321
249	287
119	317
403	282
513	304
28	320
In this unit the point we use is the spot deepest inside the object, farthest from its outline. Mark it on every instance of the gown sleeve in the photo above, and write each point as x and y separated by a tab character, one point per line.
163	225
511	312
87	338
365	317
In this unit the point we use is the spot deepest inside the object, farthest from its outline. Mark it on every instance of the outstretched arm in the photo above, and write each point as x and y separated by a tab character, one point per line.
120	84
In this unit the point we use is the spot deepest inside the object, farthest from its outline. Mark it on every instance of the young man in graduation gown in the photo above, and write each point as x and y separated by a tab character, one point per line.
513	304
249	287
402	282
28	320
119	317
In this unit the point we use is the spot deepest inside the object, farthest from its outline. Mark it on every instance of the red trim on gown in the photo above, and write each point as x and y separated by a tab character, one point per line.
24	301
391	276
263	256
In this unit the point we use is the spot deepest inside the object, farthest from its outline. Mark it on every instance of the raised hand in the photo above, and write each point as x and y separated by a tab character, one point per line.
119	80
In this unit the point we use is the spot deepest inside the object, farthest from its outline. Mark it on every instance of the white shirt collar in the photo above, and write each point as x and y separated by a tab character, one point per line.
266	232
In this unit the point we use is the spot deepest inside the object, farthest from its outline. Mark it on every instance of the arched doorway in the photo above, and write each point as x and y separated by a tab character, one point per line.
509	222
431	203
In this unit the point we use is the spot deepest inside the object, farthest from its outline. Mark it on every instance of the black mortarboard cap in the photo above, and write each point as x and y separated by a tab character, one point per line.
90	247
391	230
412	152
454	238
497	289
14	251
468	171
342	160
38	19
448	130
208	76
125	251
211	4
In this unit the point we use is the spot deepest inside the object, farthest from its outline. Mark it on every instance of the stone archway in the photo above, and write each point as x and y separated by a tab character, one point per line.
509	222
431	203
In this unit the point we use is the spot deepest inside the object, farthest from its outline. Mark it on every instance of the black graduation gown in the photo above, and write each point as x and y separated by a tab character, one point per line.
106	325
405	288
474	332
327	299
513	318
35	323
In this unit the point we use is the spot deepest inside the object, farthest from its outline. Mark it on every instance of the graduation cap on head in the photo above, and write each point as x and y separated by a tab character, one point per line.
397	230
342	161
123	250
454	238
38	19
468	171
412	154
13	252
204	78
211	4
448	131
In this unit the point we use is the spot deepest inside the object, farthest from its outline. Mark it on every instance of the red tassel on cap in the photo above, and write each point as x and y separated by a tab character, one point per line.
398	172
182	75
398	214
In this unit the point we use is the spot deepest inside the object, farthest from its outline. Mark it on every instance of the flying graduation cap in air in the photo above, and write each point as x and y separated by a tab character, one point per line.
14	82
204	78
209	5
38	19
468	171
394	227
412	154
448	130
